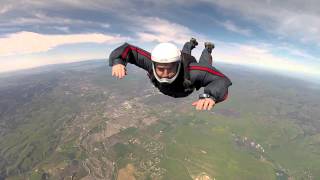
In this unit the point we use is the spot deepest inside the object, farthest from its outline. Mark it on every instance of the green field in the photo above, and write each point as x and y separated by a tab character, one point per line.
76	122
205	143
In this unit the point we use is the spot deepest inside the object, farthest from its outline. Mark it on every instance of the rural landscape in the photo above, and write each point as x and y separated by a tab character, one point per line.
75	121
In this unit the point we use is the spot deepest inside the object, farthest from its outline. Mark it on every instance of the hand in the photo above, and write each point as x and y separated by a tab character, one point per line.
119	71
204	104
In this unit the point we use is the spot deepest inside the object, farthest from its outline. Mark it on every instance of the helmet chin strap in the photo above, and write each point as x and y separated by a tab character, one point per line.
166	80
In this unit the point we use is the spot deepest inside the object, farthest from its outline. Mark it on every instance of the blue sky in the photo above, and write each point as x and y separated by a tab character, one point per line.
282	36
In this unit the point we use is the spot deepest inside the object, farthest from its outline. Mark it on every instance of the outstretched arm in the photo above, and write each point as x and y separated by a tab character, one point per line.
125	53
214	82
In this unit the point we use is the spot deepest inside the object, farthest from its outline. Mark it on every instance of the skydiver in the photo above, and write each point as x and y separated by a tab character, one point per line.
175	73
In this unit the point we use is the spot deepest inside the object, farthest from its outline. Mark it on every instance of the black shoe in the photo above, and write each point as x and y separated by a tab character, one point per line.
209	45
194	42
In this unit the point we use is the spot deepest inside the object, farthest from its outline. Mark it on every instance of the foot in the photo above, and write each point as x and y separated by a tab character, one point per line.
194	42
209	45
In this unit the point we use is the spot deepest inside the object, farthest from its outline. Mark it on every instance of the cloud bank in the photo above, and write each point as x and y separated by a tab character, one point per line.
30	42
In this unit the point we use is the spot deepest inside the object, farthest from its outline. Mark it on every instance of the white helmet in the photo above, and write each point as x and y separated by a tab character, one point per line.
165	53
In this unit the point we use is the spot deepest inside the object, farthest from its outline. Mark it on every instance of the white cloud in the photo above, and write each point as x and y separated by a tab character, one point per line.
296	19
297	52
262	57
305	26
5	8
40	18
161	30
105	25
286	49
30	42
97	5
290	18
229	25
27	61
64	29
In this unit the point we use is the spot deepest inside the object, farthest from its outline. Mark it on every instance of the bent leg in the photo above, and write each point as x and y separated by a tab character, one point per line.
205	57
187	48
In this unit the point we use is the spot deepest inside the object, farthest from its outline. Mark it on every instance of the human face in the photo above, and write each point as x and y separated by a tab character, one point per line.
166	70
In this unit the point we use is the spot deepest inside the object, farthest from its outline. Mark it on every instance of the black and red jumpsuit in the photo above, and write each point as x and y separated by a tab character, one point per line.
214	82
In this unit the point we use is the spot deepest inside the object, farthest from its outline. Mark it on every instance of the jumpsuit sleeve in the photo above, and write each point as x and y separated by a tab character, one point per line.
132	54
214	82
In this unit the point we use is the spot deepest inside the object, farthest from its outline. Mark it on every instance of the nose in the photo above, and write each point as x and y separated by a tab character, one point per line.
165	73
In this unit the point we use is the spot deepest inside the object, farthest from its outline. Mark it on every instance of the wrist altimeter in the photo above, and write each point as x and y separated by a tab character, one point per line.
204	95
